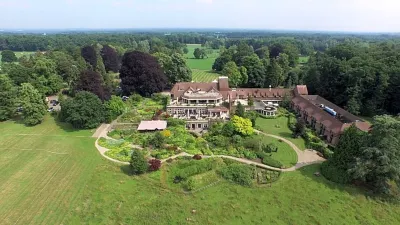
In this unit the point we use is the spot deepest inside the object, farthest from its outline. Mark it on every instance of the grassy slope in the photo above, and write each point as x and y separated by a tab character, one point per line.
38	187
279	127
297	198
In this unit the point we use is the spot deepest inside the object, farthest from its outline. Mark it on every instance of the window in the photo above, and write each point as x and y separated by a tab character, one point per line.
199	125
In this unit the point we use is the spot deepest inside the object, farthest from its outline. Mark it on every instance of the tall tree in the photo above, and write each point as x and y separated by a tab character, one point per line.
90	55
110	58
240	111
8	56
274	74
232	71
255	71
174	67
243	50
92	81
44	66
197	53
7	98
141	73
32	103
379	161
85	110
20	74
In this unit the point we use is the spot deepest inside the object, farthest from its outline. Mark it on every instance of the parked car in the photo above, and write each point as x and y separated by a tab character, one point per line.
51	109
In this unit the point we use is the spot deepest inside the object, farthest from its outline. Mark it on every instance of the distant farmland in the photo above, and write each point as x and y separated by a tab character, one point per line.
201	68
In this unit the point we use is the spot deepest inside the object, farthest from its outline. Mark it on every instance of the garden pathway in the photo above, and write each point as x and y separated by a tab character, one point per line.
306	157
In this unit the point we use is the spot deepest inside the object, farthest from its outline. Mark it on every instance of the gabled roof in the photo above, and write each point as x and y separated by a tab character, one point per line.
310	104
152	125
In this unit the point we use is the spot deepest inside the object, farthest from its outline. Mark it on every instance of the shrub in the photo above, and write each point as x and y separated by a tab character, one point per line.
166	133
238	173
175	122
157	140
189	184
271	162
154	164
138	162
249	154
197	157
332	173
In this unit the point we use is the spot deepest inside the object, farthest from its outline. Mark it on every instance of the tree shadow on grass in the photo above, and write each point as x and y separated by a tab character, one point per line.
126	169
285	134
311	170
65	126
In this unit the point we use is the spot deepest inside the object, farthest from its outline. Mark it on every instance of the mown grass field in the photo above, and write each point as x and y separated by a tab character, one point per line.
39	186
201	68
203	76
278	126
43	171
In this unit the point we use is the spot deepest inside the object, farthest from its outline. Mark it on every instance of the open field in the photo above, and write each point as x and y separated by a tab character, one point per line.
43	170
20	54
279	127
201	68
51	174
203	76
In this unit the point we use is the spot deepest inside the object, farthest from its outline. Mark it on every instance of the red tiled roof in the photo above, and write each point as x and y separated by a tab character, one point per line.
309	103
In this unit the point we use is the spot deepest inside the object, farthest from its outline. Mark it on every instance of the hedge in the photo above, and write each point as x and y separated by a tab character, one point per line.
271	162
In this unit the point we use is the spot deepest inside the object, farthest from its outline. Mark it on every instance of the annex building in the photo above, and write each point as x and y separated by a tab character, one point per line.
201	104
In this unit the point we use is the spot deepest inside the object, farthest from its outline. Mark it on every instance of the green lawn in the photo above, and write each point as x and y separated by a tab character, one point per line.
286	155
201	68
43	171
203	76
80	187
278	126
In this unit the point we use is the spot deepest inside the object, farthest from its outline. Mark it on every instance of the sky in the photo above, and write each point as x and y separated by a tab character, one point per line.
307	15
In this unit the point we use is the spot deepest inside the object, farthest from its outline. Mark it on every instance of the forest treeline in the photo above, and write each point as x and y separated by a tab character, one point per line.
361	73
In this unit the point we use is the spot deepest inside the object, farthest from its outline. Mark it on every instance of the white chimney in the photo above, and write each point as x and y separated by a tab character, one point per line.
270	88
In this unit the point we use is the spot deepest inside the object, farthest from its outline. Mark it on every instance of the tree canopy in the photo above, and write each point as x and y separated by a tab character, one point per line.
140	73
8	56
84	111
7	98
32	103
92	81
110	58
